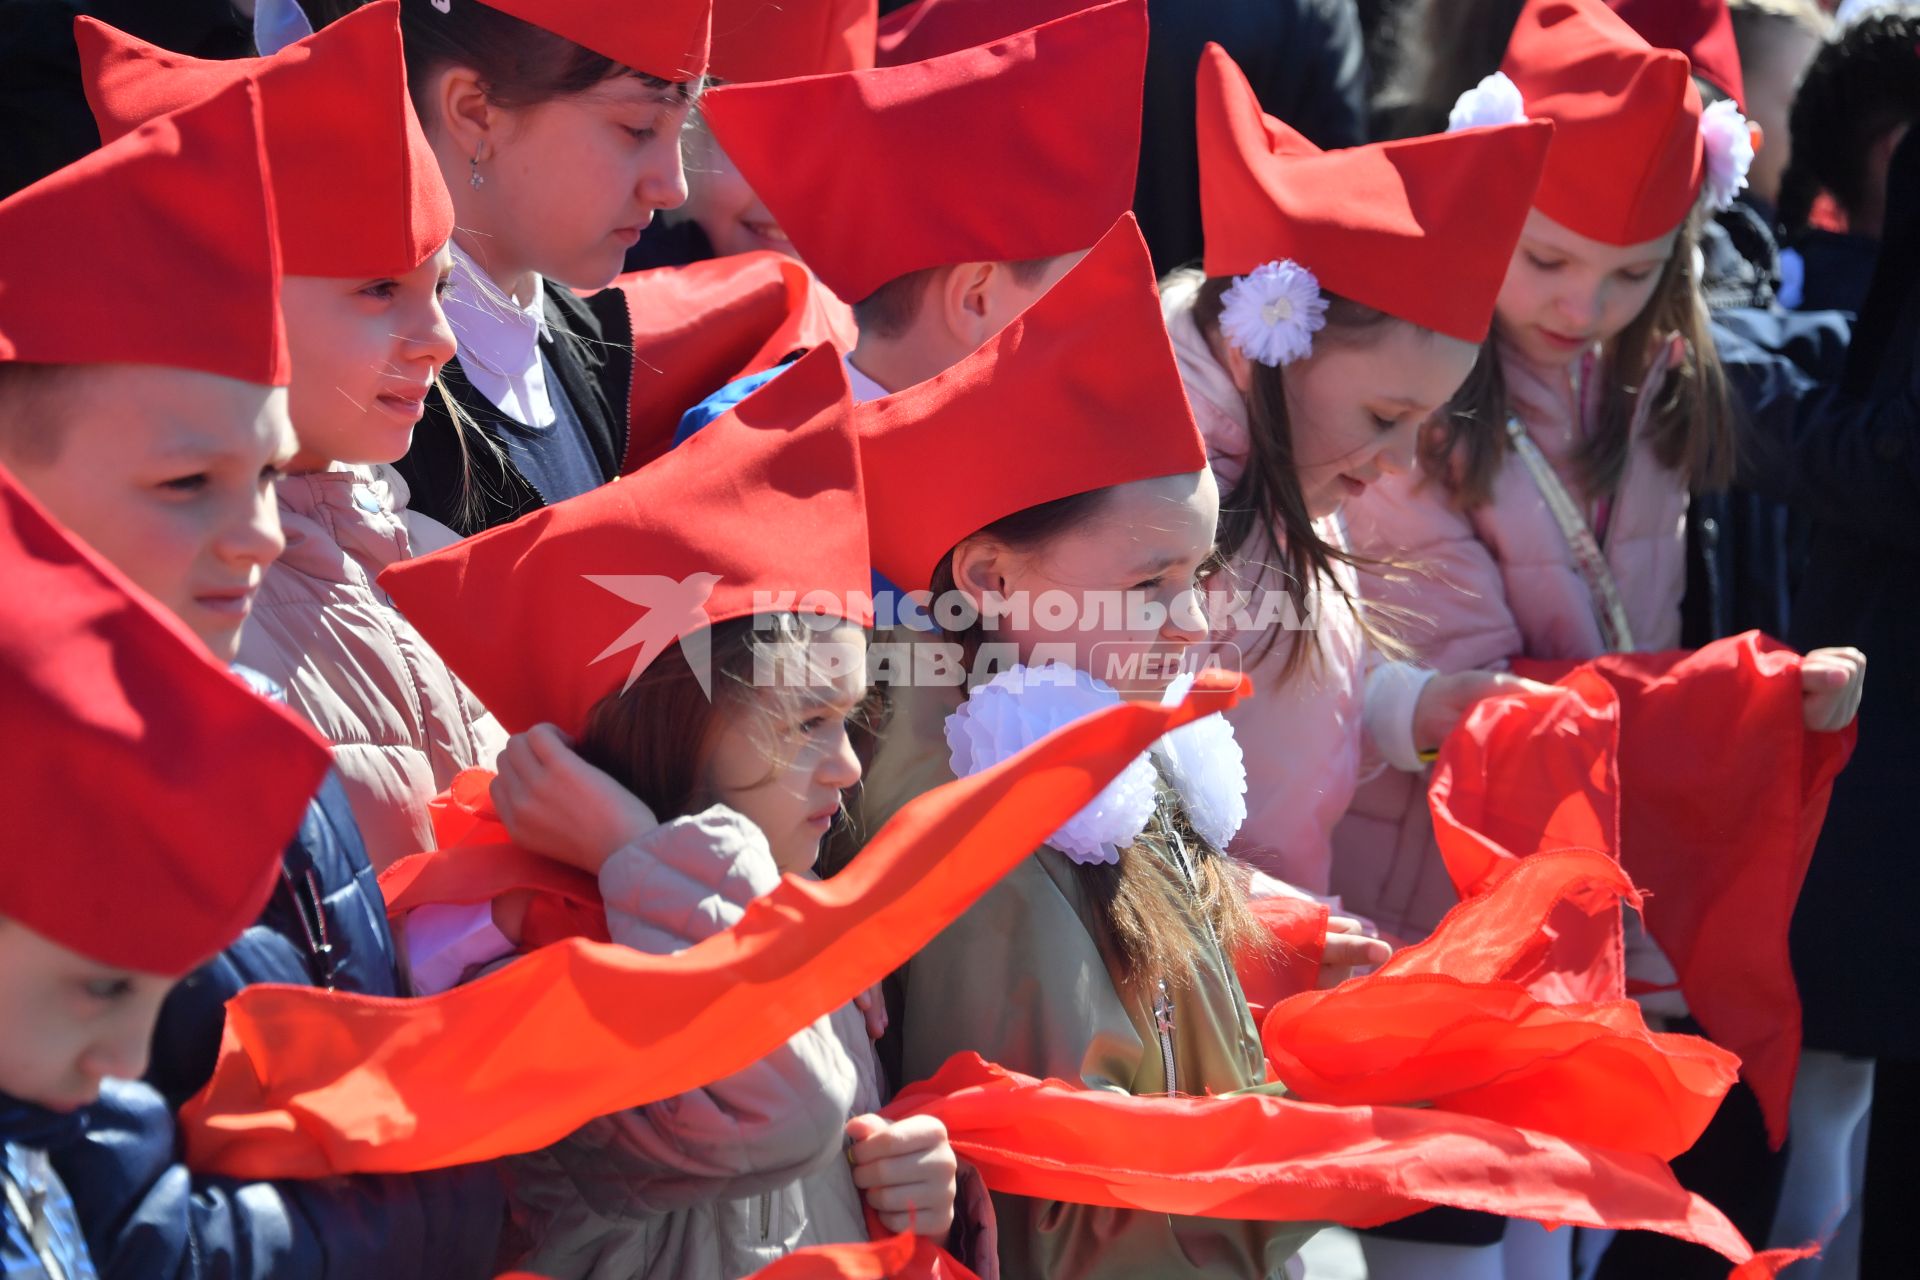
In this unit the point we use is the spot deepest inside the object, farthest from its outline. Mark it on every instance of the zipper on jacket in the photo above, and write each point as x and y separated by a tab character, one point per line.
310	910
1163	1022
766	1217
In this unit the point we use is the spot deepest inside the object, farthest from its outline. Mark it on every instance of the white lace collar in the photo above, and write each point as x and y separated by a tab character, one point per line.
1202	760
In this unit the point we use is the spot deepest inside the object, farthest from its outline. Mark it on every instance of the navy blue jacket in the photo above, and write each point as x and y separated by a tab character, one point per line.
147	1218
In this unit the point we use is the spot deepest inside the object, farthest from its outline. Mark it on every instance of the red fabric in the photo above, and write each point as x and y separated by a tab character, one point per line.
931	28
1298	929
1512	787
545	616
700	326
313	1083
357	189
667	39
1724	791
901	1257
1441	1023
903	168
776	39
1370	221
1701	29
182	265
151	792
1626	161
1090	360
1268	1158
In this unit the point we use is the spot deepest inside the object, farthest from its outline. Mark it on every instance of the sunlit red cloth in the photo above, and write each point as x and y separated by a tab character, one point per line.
1438	1024
1254	1156
312	1083
698	327
1291	964
1723	791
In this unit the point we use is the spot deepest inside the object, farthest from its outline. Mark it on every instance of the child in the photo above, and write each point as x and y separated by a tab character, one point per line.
115	718
557	127
1549	520
753	41
675	565
364	226
1293	434
1047	119
157	442
1105	959
1856	101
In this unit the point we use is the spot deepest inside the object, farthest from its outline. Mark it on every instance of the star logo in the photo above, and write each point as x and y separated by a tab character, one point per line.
675	610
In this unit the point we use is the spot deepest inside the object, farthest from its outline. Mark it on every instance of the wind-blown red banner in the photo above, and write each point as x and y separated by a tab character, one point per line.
1723	791
901	1257
313	1083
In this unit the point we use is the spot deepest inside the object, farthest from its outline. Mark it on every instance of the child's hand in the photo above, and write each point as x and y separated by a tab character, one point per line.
907	1172
1445	701
873	1005
555	804
1831	682
1348	948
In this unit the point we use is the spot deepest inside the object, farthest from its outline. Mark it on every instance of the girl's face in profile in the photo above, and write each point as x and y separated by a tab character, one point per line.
781	757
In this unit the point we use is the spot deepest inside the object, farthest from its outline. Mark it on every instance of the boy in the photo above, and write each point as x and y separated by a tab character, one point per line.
940	198
153	426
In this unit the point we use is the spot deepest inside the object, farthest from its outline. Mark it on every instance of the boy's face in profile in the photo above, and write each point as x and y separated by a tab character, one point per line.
69	1021
168	474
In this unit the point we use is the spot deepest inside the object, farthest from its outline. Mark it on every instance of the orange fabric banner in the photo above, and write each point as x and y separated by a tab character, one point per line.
312	1083
698	327
1253	1156
1723	791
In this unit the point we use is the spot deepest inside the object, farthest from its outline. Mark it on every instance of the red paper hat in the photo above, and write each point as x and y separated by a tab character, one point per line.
358	190
1080	392
1023	148
181	265
662	38
150	793
755	40
1626	162
544	617
934	27
1421	229
1701	29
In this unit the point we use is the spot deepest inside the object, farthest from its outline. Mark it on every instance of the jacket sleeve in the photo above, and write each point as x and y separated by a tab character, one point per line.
762	1128
1438	584
147	1217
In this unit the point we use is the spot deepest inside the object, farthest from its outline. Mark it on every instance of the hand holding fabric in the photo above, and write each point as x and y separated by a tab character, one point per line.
1831	683
1348	948
554	803
906	1170
1446	699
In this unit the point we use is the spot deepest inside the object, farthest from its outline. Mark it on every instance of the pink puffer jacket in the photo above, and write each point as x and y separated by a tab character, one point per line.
1310	735
1494	584
401	724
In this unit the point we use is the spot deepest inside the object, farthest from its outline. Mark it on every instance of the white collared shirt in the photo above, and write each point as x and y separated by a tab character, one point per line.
500	341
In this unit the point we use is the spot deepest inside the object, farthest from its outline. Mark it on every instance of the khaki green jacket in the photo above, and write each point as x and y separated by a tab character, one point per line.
1022	980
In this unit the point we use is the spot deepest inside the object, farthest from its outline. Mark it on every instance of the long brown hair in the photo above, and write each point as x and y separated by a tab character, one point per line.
1264	517
1691	427
1145	912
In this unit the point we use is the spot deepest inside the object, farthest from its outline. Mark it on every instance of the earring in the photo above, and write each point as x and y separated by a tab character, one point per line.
475	178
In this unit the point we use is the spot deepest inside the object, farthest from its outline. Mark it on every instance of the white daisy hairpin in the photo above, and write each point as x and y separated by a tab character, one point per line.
1728	141
1271	313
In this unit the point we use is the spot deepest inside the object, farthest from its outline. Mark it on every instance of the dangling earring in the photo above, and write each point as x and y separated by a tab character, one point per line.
475	178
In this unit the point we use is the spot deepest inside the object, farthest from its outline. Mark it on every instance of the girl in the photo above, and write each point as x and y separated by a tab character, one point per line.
1293	434
1071	558
368	338
719	1182
1549	516
557	127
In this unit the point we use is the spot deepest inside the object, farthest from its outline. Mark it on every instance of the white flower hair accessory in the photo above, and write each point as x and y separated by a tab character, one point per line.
1020	706
1272	313
1728	141
1495	100
1204	762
